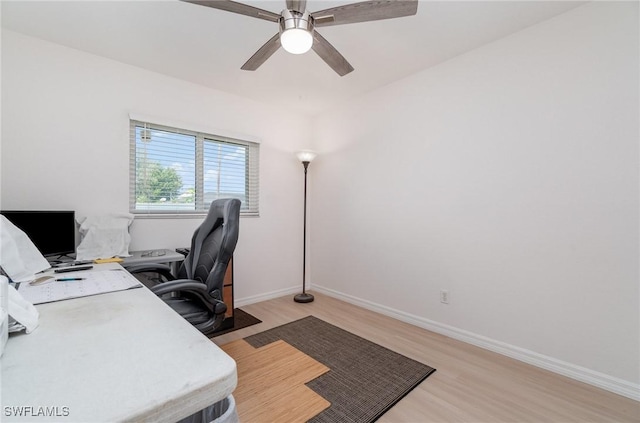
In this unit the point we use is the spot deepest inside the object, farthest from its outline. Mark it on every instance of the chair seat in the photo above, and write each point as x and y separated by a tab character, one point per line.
190	310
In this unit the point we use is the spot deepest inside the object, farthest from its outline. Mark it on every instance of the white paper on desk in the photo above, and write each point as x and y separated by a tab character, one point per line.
19	257
104	236
95	282
22	311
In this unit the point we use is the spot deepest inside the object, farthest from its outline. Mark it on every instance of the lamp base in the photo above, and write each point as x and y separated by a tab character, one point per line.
303	298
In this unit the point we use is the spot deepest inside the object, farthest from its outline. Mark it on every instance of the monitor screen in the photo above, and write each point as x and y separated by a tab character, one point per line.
52	232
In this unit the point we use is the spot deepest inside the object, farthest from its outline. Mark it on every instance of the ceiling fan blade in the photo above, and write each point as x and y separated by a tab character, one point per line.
330	55
263	53
365	11
232	6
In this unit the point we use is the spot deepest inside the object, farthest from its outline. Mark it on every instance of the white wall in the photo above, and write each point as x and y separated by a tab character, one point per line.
65	145
507	176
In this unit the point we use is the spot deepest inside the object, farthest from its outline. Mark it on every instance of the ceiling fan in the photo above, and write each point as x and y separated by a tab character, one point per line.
297	25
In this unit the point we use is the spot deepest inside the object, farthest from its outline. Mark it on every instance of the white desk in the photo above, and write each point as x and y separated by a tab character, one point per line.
120	356
154	256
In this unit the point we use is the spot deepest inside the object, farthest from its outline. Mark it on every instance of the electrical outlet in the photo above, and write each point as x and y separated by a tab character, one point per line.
444	296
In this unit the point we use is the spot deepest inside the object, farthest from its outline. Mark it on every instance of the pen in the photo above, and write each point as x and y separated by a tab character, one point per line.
69	279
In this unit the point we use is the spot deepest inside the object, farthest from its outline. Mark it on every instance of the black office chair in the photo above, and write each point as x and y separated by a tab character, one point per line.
196	291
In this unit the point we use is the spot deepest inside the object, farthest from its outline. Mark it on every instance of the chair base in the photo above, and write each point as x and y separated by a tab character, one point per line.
303	298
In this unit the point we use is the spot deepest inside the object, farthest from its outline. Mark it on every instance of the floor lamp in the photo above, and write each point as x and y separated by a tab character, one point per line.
305	157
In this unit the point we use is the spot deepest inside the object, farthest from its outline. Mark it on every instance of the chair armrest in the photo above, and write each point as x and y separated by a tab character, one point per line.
180	285
192	287
161	269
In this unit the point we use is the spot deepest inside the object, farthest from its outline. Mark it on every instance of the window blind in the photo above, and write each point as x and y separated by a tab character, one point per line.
177	171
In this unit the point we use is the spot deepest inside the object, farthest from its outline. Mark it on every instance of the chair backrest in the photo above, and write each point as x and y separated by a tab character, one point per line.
212	246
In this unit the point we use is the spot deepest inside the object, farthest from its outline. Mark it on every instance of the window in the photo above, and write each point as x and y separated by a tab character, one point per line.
176	171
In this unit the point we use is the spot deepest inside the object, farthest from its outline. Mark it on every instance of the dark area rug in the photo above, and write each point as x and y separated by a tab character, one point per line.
365	379
241	319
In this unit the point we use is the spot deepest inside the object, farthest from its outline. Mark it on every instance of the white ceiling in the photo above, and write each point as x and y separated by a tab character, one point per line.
207	46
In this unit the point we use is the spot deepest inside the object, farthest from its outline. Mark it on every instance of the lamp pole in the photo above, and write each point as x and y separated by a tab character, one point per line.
305	157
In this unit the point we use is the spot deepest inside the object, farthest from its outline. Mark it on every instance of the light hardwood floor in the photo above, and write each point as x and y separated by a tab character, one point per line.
271	383
470	384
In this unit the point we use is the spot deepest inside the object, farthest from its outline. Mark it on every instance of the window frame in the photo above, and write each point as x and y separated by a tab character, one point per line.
250	206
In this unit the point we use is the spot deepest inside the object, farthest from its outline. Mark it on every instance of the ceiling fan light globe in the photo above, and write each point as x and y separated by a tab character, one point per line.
296	40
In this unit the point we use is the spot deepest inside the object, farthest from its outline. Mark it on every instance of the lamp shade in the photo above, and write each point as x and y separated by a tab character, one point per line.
306	156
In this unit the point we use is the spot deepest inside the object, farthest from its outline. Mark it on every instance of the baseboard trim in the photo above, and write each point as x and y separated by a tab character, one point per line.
582	374
239	302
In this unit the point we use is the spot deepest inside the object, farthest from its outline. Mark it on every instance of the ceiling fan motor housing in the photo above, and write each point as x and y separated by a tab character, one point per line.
291	19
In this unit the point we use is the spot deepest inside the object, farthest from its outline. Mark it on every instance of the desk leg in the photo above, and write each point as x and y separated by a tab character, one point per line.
175	266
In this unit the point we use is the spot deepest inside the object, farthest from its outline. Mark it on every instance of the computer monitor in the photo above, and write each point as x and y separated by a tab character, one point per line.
52	232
